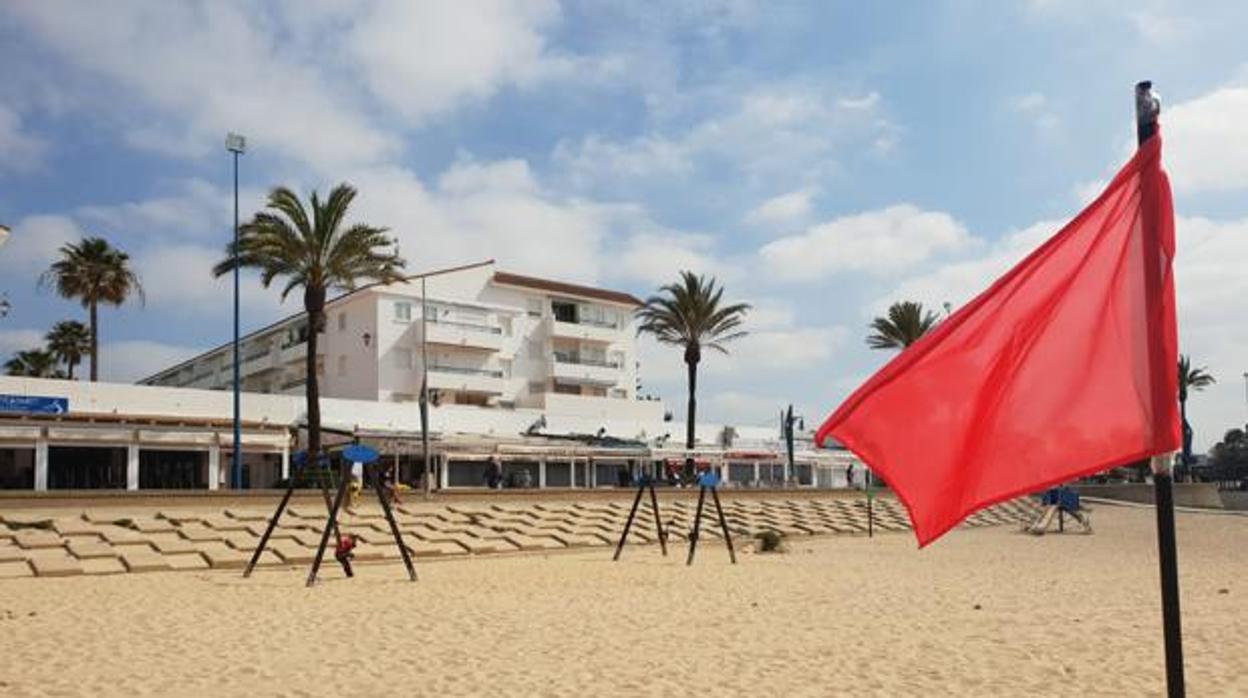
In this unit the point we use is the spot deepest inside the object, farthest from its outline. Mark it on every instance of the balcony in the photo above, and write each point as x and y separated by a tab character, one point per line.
467	380
580	370
584	330
294	352
293	383
464	334
256	361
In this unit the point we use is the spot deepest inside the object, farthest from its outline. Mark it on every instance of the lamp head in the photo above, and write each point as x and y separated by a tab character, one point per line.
235	143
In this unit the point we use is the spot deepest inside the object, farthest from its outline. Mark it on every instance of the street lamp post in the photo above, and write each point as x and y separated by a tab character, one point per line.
4	301
237	145
1245	388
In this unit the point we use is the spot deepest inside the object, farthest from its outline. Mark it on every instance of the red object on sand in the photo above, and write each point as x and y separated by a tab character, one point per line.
1065	367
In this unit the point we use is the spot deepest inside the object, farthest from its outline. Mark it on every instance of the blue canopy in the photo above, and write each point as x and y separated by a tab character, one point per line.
358	453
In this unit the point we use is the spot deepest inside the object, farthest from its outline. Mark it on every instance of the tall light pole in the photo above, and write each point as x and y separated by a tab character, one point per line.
237	145
424	387
1246	388
4	301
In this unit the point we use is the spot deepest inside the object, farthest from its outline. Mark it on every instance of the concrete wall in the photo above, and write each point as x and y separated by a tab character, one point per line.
1186	494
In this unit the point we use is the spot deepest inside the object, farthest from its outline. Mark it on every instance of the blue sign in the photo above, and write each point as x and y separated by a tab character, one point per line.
708	479
33	404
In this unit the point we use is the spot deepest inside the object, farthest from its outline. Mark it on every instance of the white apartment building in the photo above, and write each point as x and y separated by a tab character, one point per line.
540	375
491	338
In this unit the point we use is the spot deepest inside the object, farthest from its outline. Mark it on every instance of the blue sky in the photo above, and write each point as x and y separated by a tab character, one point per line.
822	159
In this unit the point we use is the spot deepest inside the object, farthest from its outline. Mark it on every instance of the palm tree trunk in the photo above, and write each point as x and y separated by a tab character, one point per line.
314	303
1187	434
95	342
691	416
70	365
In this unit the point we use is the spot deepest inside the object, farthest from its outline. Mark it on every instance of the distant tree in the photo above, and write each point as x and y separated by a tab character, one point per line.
1229	457
905	324
93	272
311	248
691	314
69	341
33	363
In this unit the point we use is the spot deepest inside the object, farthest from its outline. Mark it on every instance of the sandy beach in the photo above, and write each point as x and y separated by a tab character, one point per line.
982	612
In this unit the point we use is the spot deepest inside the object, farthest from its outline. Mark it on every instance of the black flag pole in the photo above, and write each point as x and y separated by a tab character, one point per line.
1147	108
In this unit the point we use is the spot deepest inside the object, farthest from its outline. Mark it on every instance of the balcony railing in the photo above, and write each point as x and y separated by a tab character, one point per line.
470	326
565	358
294	383
458	370
254	354
598	323
605	324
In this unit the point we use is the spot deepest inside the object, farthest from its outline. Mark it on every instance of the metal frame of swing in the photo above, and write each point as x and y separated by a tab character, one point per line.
706	482
331	524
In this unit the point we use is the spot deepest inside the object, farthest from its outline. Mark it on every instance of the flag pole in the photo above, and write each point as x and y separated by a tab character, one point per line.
1147	107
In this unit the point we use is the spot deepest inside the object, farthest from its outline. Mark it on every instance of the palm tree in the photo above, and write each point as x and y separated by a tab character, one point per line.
689	314
1190	379
69	341
312	249
905	324
93	272
33	363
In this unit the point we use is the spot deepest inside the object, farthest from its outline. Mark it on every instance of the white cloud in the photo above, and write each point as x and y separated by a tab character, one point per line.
792	208
1039	109
595	158
868	101
131	360
121	361
13	341
487	210
881	242
209	68
1205	147
19	150
197	209
770	314
791	351
957	282
33	244
424	59
1162	29
1212	302
764	133
178	278
658	258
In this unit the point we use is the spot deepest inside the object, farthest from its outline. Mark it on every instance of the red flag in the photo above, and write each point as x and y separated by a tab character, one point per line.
1065	367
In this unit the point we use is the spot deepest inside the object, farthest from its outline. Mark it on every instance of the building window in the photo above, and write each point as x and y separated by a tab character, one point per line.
403	312
342	365
563	311
565	389
342	322
619	393
402	358
537	387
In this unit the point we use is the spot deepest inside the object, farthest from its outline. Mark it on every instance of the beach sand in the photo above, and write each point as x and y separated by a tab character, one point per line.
982	612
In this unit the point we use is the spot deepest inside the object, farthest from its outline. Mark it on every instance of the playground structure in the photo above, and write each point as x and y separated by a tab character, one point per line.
1056	505
344	546
707	480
